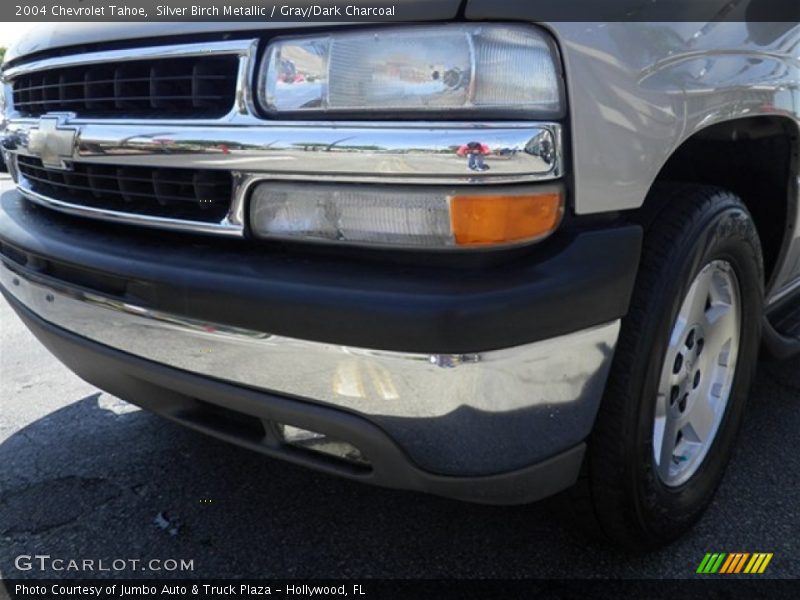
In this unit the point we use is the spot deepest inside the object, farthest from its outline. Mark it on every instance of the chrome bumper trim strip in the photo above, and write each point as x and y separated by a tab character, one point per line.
390	154
480	412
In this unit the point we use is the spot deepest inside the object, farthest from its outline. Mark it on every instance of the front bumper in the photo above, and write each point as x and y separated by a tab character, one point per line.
244	417
434	419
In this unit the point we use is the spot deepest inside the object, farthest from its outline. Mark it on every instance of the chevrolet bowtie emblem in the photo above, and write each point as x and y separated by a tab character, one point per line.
52	142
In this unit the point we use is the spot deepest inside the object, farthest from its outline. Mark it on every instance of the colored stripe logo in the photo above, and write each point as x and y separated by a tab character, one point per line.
735	562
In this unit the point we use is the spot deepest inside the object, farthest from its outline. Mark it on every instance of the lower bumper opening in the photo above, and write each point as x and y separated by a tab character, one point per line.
281	437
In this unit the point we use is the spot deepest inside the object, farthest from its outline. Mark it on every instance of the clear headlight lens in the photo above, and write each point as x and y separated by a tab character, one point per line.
404	216
454	68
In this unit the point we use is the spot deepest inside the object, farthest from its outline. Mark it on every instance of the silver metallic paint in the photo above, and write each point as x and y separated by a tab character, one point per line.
637	91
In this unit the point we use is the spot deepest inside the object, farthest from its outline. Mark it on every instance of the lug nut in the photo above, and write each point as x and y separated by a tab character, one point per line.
690	340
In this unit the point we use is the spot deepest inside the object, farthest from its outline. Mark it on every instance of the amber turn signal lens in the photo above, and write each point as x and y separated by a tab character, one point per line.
480	220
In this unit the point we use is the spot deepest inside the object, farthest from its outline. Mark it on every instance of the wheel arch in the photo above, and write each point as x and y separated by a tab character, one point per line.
755	157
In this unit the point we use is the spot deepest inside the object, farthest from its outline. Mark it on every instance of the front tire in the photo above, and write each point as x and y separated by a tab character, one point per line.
682	370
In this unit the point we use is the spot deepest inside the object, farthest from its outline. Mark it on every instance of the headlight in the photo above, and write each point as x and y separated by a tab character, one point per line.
404	216
453	69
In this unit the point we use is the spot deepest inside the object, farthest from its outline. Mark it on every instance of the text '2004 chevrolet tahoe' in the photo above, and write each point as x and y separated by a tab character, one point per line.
489	259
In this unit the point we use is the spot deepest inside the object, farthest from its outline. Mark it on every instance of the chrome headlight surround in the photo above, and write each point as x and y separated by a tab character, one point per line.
453	71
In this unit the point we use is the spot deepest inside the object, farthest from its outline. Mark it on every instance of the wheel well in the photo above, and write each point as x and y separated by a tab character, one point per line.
755	158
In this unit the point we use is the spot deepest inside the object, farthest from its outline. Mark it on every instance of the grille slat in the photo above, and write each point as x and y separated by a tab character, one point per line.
115	99
67	84
120	176
190	194
100	191
35	95
50	88
194	87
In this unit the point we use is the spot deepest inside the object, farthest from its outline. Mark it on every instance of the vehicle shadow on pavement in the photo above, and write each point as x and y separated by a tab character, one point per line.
99	479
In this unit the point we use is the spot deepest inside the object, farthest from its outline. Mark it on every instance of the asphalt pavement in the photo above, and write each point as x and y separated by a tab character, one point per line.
86	476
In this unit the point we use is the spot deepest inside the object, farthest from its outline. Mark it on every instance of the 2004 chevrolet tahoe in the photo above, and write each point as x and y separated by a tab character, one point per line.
489	259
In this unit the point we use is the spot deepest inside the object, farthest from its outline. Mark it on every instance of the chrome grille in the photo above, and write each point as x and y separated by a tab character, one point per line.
196	86
186	194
